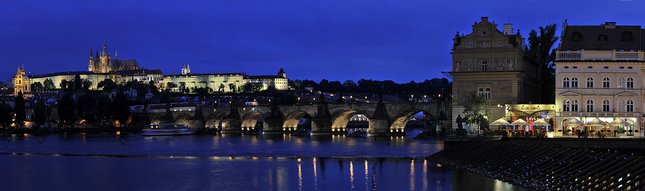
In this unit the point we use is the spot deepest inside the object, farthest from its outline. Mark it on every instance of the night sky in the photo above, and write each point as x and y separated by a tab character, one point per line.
399	40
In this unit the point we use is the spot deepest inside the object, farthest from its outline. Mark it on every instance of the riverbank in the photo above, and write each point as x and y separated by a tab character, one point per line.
551	164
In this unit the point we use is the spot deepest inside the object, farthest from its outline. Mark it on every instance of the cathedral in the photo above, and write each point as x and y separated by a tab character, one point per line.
103	63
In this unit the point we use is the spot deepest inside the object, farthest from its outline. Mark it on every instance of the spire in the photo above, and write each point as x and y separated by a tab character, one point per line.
90	52
105	52
116	54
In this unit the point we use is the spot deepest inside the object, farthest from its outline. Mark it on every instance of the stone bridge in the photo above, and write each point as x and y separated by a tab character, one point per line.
325	118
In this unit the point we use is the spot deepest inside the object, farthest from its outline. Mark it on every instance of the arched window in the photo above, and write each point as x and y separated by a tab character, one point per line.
627	36
565	82
589	105
621	82
574	82
566	106
589	82
629	107
630	83
576	36
574	105
602	38
605	105
605	82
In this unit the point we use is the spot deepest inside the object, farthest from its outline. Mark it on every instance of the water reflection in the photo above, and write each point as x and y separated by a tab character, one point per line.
279	162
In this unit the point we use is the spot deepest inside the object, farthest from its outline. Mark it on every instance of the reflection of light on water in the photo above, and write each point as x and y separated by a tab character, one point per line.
367	175
299	175
425	174
315	175
282	178
351	173
412	174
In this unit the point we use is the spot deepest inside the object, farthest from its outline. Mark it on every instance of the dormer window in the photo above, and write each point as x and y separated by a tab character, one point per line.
602	38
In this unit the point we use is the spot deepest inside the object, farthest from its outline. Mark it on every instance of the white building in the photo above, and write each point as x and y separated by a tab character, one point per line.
599	75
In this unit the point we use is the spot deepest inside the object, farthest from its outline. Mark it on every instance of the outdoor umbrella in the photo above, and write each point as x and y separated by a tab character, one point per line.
573	122
596	123
540	122
619	122
500	122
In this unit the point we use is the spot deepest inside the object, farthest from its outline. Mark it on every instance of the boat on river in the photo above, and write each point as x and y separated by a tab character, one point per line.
167	129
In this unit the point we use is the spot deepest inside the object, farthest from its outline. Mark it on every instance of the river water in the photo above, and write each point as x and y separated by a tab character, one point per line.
221	162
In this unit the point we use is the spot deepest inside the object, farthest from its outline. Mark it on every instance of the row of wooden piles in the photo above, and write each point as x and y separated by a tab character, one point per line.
548	165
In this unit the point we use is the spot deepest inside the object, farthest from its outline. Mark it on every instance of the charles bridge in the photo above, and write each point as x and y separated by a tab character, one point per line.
324	118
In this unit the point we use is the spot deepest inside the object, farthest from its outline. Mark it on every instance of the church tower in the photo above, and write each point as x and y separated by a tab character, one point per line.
104	61
91	64
21	82
185	70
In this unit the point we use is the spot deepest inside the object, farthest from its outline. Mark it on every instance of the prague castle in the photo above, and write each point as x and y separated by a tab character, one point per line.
102	66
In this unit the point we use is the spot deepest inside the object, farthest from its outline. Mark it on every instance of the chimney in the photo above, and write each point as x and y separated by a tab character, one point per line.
508	29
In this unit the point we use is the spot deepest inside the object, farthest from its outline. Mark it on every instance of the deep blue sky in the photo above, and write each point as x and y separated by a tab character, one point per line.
399	40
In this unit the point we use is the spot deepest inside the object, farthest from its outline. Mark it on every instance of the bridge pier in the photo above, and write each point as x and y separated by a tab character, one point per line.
379	124
231	124
273	123
321	124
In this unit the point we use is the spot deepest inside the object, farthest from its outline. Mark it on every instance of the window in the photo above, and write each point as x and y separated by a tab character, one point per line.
629	107
605	105
622	67
566	106
565	82
575	67
576	36
566	67
602	38
589	82
629	67
605	82
589	67
630	83
574	105
574	82
484	66
606	67
621	82
484	92
589	105
627	36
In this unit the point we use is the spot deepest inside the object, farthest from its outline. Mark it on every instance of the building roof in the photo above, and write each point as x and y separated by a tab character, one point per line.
63	74
607	36
139	71
264	77
208	74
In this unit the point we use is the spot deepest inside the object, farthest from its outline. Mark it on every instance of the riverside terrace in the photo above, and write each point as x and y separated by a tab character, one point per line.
553	164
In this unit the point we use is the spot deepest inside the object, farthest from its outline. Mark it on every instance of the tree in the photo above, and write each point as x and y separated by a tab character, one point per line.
5	115
66	110
349	85
541	51
19	109
252	87
107	85
221	88
231	87
63	85
78	82
475	109
86	85
39	115
37	86
49	84
121	108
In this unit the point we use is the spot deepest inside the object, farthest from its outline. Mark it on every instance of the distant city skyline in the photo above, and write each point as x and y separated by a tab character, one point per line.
335	40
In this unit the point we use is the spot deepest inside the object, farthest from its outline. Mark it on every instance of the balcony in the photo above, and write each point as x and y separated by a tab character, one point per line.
600	55
598	114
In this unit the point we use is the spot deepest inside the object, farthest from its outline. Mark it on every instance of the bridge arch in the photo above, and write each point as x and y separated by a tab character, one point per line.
293	120
399	123
341	120
251	120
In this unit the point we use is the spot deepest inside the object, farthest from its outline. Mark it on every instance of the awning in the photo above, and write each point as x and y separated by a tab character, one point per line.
500	122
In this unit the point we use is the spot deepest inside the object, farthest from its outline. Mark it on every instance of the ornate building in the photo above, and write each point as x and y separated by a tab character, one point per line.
102	67
599	80
103	63
21	82
492	64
